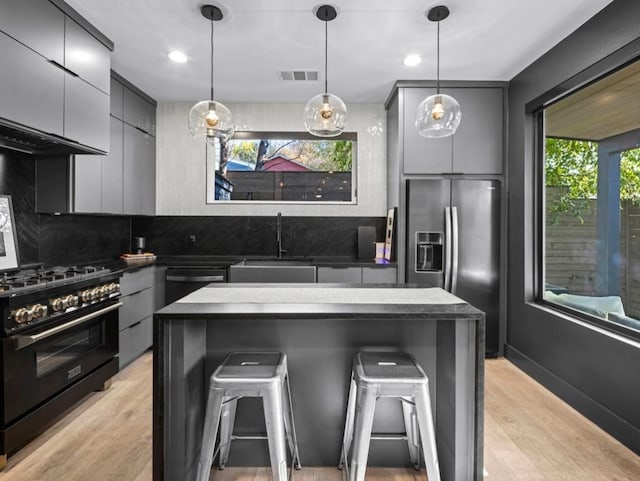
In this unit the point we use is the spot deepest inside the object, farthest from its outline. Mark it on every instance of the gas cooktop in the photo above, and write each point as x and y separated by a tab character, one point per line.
38	278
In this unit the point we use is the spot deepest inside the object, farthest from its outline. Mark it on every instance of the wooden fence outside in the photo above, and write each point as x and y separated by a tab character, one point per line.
570	252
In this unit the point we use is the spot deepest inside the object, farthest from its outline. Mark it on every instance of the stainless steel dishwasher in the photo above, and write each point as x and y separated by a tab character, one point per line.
180	281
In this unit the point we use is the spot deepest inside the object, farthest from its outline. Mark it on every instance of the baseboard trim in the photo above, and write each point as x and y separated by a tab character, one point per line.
610	422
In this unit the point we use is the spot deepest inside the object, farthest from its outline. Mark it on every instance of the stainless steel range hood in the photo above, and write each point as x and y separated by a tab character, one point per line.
21	138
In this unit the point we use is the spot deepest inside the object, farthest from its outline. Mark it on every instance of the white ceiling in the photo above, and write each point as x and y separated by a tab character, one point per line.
481	40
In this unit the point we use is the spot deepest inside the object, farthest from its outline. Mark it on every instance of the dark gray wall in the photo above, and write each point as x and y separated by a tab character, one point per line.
595	373
56	240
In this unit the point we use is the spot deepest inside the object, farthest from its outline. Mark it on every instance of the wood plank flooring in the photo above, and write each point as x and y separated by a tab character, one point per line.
530	436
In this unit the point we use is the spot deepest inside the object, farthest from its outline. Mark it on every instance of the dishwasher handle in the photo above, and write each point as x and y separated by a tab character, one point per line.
176	278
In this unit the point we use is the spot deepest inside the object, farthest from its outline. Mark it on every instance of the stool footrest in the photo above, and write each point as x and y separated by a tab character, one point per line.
389	437
235	437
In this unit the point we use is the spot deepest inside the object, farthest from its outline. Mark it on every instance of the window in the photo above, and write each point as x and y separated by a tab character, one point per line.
590	199
283	167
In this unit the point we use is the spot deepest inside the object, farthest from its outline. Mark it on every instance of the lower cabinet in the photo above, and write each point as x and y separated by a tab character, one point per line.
136	313
358	275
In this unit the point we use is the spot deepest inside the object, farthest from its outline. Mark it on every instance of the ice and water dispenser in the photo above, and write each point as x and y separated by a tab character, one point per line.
429	251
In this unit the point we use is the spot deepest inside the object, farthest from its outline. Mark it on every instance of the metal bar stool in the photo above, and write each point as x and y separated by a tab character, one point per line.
250	374
388	374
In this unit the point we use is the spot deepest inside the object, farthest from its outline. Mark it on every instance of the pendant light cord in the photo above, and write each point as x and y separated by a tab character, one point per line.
438	61
326	43
212	60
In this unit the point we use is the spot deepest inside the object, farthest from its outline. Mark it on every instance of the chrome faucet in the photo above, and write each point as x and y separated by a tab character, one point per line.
281	251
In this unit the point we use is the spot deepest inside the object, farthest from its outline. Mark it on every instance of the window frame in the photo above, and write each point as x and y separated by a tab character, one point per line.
535	111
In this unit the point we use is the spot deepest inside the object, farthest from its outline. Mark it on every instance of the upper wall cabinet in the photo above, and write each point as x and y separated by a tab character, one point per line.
36	24
476	147
122	182
55	72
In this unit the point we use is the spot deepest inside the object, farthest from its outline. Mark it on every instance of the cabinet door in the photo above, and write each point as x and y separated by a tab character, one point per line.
379	275
37	24
117	99
133	151
422	155
87	183
139	112
148	175
477	144
23	96
86	114
112	170
86	56
350	275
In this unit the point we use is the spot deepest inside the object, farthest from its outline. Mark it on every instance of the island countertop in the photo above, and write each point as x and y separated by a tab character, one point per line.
314	300
319	327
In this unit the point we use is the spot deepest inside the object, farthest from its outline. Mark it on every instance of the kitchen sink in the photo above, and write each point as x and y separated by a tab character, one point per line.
275	262
273	271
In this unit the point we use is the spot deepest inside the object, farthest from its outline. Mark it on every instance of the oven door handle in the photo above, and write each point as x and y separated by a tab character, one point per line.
24	341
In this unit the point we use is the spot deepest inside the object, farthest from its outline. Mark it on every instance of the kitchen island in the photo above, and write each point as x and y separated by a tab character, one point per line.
319	327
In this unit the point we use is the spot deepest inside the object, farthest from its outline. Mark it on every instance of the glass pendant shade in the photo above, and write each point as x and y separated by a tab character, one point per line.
212	120
208	118
438	116
325	115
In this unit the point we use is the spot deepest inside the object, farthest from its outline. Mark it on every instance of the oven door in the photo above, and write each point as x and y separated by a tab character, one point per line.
39	364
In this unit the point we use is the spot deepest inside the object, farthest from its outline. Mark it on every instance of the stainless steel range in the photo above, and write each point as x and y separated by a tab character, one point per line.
58	342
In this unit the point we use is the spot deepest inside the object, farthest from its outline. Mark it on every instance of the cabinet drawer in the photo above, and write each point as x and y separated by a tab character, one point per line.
136	280
351	275
134	340
135	308
379	275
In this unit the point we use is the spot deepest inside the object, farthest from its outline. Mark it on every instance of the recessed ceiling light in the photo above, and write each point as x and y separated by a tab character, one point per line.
178	57
412	60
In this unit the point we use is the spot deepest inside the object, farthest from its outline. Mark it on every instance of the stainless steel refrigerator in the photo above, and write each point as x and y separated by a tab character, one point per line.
453	242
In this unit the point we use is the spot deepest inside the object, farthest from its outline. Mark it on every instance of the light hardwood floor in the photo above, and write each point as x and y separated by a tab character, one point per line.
530	436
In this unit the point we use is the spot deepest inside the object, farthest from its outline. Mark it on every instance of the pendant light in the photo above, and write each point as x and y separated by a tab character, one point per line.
438	115
325	115
209	118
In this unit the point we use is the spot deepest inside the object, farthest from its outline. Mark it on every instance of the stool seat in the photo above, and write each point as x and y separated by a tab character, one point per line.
250	374
388	374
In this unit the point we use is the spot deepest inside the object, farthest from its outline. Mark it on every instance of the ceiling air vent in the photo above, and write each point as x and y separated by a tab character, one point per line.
298	74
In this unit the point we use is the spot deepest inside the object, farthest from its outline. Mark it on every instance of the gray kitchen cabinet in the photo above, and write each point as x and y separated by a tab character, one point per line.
22	96
136	313
117	99
477	145
350	275
478	142
86	114
87	183
121	182
97	179
86	56
35	23
53	72
139	113
358	274
112	170
422	155
139	172
379	275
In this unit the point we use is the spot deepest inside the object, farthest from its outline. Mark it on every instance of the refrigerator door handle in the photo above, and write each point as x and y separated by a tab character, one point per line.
454	248
447	249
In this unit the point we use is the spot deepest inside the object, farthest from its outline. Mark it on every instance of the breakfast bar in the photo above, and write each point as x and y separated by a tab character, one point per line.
320	327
